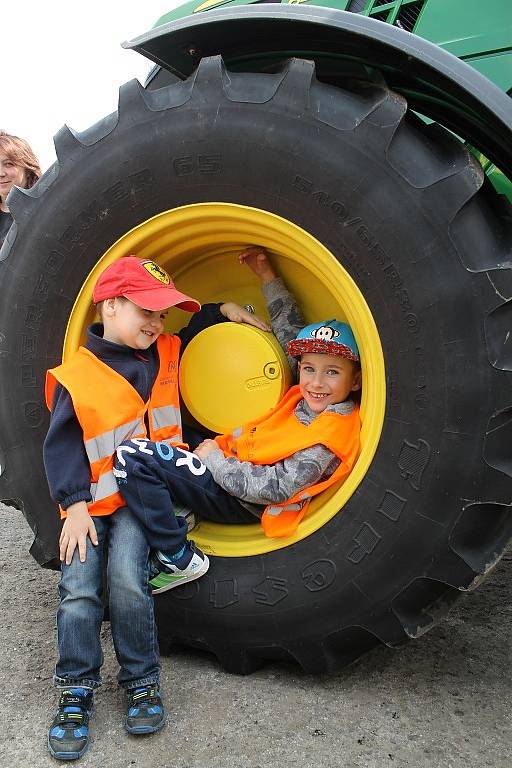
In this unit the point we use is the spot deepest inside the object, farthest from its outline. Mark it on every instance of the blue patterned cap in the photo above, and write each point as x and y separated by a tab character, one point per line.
329	337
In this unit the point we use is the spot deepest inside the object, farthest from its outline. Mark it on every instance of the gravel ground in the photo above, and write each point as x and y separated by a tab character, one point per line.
445	700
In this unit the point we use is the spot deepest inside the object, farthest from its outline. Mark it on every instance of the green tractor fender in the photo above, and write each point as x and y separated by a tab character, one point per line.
339	144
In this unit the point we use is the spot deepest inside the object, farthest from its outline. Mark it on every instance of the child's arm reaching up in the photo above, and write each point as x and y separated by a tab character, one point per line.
285	315
257	260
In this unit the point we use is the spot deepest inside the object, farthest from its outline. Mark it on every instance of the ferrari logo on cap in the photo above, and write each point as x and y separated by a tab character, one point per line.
157	272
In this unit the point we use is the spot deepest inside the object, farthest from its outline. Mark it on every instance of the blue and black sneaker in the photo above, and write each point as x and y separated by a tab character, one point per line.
145	710
68	736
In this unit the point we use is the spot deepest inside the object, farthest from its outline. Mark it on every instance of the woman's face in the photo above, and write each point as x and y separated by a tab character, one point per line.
10	174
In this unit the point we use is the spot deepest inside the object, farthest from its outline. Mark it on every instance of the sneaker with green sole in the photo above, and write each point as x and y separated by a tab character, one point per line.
169	572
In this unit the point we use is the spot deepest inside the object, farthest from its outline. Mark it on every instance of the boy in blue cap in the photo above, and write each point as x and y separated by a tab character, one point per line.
310	441
277	484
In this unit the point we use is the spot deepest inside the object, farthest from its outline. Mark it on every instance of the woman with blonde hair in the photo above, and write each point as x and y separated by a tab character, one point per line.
18	167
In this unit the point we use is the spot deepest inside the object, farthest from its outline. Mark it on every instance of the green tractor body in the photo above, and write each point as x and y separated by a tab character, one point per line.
368	146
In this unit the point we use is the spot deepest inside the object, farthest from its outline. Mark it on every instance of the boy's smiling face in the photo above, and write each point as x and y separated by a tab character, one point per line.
327	379
126	323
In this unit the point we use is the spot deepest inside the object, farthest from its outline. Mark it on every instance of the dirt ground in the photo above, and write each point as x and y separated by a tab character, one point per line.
445	700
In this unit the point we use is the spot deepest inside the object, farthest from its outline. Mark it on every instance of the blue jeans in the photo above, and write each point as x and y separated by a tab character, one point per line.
132	621
152	476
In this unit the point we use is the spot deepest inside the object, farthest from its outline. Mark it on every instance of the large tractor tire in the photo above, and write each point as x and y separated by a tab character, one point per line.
343	185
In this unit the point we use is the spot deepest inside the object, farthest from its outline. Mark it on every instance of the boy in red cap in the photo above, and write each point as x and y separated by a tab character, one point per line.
123	384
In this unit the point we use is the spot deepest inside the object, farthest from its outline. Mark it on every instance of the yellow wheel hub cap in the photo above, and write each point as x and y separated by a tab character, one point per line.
198	245
230	373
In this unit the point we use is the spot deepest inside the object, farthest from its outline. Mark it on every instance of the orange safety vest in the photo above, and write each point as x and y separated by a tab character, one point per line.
277	435
110	410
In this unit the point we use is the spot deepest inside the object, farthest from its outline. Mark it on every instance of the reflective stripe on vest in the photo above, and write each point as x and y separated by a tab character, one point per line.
105	487
165	416
104	445
278	522
275	510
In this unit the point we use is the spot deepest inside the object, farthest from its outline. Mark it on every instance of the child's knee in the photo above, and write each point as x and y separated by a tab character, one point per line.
132	459
129	453
123	453
122	461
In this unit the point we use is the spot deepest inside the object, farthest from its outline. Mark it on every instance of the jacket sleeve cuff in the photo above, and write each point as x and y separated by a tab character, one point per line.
67	501
214	461
216	314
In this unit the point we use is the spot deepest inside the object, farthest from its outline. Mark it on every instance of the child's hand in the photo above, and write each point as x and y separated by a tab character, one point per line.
256	259
77	526
238	314
205	448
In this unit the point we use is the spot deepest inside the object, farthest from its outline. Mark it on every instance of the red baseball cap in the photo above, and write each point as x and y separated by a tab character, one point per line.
143	282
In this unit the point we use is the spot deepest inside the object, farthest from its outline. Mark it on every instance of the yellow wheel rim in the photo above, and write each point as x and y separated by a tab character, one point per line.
198	244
